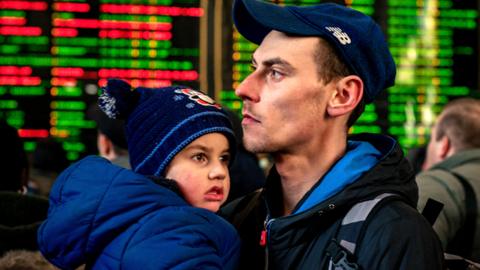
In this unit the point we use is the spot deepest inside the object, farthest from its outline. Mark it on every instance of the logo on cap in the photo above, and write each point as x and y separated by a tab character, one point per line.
198	97
339	34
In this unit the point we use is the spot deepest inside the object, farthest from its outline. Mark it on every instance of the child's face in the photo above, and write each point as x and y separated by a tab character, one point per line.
201	171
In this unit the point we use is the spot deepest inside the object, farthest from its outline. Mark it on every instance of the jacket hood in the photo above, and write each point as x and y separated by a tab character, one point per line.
92	201
392	174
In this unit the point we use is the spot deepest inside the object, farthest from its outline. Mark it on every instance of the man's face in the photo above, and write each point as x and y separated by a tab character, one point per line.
201	171
283	100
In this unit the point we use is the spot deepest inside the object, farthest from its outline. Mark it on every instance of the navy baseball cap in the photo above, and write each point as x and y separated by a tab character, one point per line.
358	40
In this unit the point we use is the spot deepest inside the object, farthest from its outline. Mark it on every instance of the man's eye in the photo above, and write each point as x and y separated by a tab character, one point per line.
276	75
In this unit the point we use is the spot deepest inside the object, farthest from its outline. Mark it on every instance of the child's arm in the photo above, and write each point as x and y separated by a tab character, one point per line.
183	238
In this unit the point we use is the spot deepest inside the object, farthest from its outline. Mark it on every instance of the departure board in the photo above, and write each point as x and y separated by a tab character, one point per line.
435	47
54	55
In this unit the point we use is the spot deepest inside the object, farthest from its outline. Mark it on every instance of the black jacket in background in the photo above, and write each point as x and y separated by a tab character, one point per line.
246	175
397	237
20	217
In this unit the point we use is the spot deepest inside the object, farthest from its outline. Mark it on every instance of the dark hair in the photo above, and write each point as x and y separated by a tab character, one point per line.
459	122
49	155
13	160
114	129
330	67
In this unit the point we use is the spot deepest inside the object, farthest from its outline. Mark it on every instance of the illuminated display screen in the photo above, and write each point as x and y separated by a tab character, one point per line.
55	54
435	46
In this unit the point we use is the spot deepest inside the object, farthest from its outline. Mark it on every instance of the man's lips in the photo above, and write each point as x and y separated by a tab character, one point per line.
214	194
249	119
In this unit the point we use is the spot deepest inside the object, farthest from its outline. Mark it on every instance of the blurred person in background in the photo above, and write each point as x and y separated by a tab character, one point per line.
452	176
21	214
48	160
111	141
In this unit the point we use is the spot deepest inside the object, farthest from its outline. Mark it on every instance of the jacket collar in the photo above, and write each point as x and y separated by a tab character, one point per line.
459	158
373	164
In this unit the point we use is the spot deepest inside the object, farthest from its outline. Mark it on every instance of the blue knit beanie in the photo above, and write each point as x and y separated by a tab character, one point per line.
160	122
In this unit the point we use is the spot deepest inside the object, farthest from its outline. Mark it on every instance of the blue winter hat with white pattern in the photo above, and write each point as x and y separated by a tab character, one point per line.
160	122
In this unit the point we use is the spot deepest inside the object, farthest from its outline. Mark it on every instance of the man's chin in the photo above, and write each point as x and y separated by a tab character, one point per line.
256	147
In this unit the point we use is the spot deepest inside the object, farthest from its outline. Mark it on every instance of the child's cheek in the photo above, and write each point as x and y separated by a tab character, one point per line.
186	181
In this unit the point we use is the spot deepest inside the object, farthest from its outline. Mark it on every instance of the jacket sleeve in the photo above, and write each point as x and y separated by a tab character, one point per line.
194	241
398	237
443	187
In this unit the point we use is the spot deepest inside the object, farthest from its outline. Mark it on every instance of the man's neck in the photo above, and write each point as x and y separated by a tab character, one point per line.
299	172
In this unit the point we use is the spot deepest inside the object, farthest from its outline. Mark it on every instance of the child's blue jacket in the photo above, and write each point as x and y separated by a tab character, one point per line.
112	218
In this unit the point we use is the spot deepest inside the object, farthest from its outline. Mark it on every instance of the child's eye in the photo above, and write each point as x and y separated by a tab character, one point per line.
199	157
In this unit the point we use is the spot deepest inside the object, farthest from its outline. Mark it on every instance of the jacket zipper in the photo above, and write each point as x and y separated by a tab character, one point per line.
264	237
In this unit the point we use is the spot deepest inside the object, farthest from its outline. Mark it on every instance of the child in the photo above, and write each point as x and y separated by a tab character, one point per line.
112	218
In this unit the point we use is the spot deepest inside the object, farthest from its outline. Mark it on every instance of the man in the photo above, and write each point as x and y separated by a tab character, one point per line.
452	177
111	141
313	71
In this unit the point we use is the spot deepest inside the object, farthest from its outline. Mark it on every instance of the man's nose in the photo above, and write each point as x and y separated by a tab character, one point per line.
248	88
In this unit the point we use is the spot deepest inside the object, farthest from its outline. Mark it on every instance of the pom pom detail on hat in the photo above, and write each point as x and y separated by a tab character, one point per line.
160	122
107	104
118	99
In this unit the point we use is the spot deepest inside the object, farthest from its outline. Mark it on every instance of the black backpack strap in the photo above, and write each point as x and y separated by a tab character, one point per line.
342	248
462	243
251	202
431	210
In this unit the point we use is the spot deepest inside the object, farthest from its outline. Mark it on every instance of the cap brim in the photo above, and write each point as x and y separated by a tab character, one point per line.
255	19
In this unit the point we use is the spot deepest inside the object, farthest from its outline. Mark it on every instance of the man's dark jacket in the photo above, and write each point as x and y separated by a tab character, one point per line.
396	237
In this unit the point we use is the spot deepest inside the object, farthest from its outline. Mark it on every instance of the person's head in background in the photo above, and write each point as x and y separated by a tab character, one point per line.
48	160
456	129
13	160
111	141
176	133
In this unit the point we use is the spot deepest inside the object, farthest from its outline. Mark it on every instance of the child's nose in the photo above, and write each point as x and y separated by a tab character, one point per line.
219	171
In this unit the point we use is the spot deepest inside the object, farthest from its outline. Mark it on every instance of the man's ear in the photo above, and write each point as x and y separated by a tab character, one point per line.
444	147
346	96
